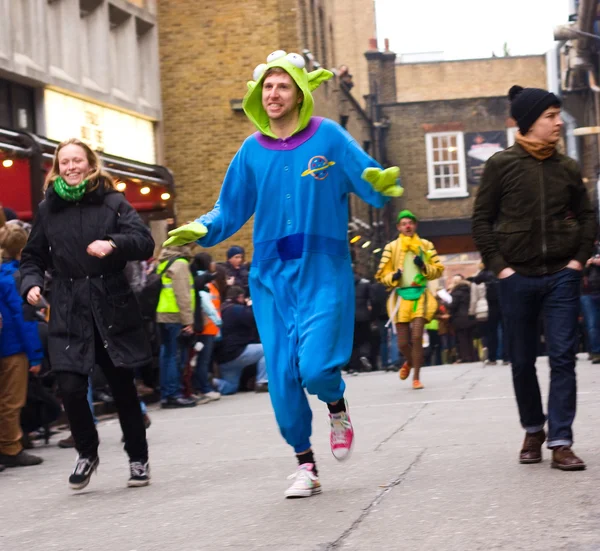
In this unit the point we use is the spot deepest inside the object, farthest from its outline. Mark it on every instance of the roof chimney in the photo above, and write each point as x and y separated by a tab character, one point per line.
372	44
386	41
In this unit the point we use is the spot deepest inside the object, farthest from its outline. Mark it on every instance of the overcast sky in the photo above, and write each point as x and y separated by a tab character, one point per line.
465	29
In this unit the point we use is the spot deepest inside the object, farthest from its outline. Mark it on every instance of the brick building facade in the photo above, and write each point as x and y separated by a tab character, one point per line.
353	26
463	78
208	51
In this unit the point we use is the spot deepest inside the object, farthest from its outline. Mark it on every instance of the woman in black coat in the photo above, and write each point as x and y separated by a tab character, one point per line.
464	325
84	233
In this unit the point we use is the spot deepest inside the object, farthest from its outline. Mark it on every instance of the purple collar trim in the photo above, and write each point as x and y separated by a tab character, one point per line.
292	142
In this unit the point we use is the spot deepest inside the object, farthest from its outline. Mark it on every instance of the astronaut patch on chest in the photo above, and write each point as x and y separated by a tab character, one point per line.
318	167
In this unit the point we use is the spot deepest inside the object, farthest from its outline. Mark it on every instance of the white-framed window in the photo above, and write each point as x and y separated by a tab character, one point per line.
446	171
510	135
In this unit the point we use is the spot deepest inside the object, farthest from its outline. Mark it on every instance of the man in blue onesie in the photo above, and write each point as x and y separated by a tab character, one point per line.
295	175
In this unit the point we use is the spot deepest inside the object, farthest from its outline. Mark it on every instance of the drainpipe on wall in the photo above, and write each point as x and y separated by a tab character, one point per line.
580	59
596	91
571	139
553	83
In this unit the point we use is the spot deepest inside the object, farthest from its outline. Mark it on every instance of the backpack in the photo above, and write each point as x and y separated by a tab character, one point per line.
149	296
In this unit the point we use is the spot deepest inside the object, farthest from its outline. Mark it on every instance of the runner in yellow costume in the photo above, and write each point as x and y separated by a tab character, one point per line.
406	265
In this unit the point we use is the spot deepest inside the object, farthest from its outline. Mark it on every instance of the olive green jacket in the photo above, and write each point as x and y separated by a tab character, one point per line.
532	216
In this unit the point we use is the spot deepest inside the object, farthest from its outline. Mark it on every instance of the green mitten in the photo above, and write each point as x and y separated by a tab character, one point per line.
385	181
185	234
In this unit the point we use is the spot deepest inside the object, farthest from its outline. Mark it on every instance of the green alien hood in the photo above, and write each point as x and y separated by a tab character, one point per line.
294	65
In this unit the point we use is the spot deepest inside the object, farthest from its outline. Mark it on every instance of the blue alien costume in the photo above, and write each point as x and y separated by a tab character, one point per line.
301	278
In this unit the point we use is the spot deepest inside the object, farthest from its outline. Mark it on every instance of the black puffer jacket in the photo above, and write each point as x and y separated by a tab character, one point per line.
237	332
87	290
459	309
378	295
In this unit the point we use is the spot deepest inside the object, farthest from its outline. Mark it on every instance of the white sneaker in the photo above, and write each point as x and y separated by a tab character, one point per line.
306	482
213	395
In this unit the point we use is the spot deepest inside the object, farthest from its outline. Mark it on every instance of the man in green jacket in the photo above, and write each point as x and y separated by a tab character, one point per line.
534	226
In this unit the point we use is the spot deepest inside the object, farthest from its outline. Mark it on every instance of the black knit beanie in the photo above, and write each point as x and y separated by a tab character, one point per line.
527	104
232	251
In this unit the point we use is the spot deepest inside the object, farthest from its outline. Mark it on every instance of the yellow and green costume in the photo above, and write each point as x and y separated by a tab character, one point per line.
411	298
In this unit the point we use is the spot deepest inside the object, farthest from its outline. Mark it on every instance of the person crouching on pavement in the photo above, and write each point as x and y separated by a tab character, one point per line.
406	265
535	227
86	231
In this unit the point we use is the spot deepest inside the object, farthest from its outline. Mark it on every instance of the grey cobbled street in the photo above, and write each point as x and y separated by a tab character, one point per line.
434	469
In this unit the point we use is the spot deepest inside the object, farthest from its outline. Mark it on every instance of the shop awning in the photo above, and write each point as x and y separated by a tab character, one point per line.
26	158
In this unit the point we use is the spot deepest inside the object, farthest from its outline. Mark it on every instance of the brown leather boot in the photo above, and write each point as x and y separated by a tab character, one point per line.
531	452
564	459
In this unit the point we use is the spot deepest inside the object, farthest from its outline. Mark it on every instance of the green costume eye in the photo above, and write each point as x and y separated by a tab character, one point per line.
296	60
276	55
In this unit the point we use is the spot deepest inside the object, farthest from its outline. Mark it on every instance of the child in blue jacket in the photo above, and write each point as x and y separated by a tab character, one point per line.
20	351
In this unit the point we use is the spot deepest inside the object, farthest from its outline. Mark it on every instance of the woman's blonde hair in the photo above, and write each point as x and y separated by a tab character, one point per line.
98	173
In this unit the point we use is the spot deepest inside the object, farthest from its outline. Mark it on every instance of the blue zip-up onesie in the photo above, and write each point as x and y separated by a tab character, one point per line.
301	278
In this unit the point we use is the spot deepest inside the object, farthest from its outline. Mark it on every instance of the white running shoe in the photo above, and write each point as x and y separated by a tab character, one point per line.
213	395
306	482
342	435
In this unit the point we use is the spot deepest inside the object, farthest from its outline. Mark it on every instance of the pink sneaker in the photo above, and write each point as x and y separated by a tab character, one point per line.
342	435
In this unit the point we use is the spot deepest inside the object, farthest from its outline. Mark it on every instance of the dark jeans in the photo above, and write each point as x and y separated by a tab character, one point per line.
590	306
494	318
466	350
172	360
362	344
503	345
203	361
435	348
556	298
74	387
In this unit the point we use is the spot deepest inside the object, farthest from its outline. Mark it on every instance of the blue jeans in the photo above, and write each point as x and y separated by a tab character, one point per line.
388	347
203	359
172	360
231	372
556	298
590	306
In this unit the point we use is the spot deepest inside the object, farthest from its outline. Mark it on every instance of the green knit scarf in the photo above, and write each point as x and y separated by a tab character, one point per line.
70	193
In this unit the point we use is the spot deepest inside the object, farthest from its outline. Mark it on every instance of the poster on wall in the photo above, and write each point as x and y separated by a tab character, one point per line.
479	147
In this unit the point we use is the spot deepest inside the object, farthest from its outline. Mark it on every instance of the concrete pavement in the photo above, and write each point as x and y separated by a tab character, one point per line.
432	470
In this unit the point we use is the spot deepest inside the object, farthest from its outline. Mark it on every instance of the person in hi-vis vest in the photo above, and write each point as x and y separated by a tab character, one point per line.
175	319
